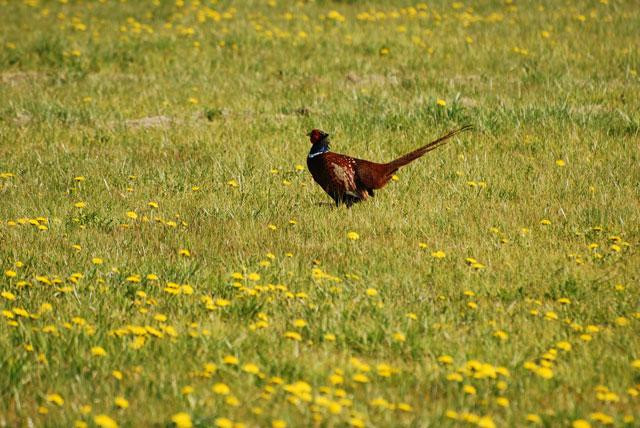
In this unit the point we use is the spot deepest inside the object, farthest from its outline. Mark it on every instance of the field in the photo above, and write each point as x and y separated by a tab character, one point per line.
167	260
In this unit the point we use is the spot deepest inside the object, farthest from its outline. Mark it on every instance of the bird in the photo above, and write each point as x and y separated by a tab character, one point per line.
350	180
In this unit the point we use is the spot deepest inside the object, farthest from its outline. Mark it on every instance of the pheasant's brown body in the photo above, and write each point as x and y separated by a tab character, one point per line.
349	180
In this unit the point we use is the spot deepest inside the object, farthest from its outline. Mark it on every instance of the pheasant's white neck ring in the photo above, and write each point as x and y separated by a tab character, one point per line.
318	149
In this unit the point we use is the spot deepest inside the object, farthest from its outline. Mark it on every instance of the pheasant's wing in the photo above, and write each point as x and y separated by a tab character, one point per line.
370	175
342	173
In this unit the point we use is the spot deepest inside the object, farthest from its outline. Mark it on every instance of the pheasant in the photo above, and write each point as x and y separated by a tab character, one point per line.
350	180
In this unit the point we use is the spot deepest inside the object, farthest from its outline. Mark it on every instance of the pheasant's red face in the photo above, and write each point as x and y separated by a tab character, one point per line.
316	135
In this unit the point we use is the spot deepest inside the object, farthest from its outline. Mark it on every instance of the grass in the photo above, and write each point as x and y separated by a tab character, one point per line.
133	131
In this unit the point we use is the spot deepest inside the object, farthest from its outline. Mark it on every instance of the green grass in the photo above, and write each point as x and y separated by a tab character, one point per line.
171	103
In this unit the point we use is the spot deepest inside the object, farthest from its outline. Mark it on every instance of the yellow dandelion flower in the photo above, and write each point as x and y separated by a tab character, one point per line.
580	423
533	418
55	399
220	389
293	335
182	420
98	351
230	360
439	254
121	402
469	389
353	236
104	421
399	337
80	204
371	292
441	102
132	215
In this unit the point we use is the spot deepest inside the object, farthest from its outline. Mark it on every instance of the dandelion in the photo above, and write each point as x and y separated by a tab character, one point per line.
440	102
399	337
439	254
182	420
55	399
469	389
445	359
533	418
580	423
98	351
371	292
80	204
104	421
230	360
560	162
121	402
545	222
360	378
299	323
502	401
293	335
353	236
184	252
10	273
251	368
132	215
220	389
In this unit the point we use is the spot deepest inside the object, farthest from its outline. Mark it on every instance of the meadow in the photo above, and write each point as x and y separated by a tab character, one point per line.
167	260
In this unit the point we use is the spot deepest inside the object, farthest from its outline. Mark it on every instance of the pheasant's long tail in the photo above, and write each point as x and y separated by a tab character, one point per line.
393	166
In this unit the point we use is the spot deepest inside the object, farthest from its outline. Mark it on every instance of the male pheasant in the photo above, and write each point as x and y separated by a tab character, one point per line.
350	180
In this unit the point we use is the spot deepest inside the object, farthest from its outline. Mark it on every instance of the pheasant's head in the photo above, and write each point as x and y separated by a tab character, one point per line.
318	136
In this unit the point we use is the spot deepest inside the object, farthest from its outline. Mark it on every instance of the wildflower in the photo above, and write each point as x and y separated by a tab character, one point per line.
360	378
635	364
502	335
8	295
117	374
293	335
220	389
98	351
97	261
353	236
184	252
55	399
230	360
439	254
533	418
580	423
299	323
445	359
80	204
104	421
121	402
502	401
371	292
441	102
469	389
132	215
223	423
545	222
251	368
10	273
182	420
454	377
330	337
399	337
560	162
